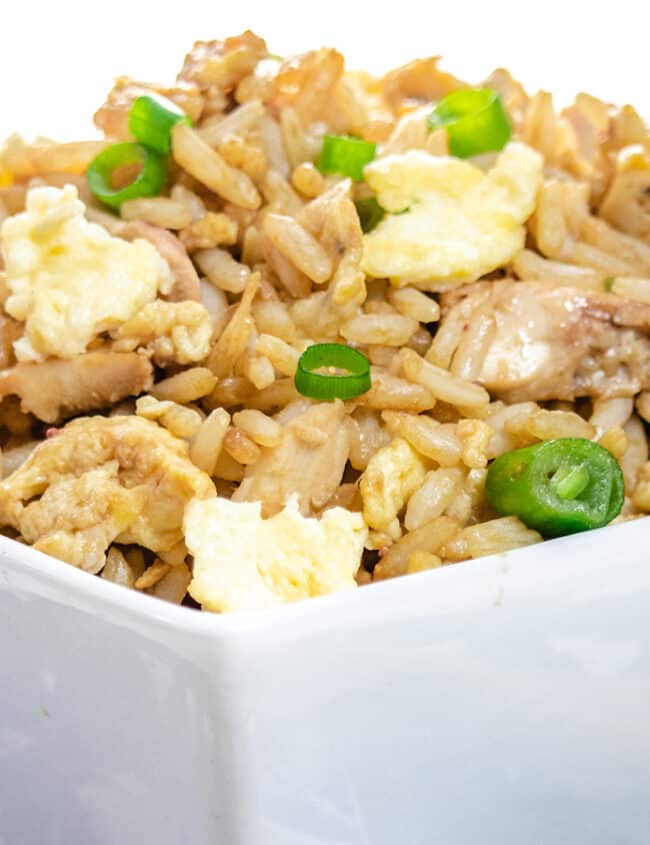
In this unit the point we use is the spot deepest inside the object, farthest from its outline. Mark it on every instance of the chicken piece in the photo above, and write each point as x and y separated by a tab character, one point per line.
112	118
528	341
223	64
186	280
56	389
309	461
627	202
103	480
419	80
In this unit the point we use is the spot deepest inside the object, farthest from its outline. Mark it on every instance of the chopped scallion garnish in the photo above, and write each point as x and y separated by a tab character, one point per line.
151	120
475	119
148	182
332	371
345	155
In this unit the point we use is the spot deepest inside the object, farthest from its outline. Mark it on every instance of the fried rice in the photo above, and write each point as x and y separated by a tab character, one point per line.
502	301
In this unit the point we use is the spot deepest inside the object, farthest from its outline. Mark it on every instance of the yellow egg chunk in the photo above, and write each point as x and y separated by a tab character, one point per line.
244	562
69	280
459	222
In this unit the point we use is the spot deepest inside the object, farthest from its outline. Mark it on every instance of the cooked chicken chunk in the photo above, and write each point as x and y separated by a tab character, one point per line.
526	340
186	281
309	461
56	389
101	480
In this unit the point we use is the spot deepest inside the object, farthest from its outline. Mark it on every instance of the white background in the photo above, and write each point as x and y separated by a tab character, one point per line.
57	59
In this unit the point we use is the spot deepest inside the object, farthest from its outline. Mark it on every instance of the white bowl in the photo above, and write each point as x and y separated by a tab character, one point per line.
500	701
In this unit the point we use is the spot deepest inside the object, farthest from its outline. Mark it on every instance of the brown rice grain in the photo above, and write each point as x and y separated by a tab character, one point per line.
414	304
430	537
298	246
547	425
195	156
637	289
222	270
207	443
152	575
384	329
262	429
230	391
272	318
238	121
636	453
421	561
391	392
439	488
228	469
442	385
438	441
159	211
186	386
307	180
281	355
192	202
611	412
643	405
497	536
277	395
615	440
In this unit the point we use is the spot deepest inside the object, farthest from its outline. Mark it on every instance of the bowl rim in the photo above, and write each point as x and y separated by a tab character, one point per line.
44	571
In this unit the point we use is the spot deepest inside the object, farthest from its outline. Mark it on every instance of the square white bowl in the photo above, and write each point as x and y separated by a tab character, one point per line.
504	701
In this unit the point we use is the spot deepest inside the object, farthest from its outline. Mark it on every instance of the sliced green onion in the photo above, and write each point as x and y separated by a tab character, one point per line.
151	120
475	119
557	487
569	482
345	155
370	213
333	384
608	284
148	183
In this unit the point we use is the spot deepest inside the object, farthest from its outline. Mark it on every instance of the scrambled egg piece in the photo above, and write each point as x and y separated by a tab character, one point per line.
393	474
461	222
68	279
102	480
244	562
174	332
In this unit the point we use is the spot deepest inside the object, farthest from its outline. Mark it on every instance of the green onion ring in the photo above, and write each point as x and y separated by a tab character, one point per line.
345	155
475	119
370	213
148	183
151	120
332	385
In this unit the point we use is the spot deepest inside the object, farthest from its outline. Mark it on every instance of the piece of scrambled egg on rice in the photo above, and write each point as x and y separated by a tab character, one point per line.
244	562
458	222
68	279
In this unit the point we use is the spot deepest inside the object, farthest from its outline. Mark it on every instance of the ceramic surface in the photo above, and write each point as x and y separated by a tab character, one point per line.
500	701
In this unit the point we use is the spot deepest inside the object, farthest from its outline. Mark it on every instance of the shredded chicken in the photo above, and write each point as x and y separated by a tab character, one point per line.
309	461
528	341
186	280
101	480
56	389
